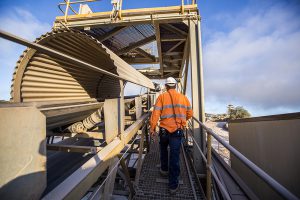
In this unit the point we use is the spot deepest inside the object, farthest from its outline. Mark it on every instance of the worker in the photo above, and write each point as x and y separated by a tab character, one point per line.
173	109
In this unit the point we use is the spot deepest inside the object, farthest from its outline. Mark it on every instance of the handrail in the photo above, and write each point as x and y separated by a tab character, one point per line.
222	188
68	3
73	2
281	190
110	173
118	10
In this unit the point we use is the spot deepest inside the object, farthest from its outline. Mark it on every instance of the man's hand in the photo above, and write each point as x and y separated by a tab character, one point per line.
153	136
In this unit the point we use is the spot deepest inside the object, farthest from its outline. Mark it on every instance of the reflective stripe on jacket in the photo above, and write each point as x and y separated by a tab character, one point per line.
163	110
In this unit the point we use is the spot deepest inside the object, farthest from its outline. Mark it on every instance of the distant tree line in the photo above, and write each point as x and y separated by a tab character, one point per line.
237	112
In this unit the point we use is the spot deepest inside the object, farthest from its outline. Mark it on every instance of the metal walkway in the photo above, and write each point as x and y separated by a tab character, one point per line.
152	185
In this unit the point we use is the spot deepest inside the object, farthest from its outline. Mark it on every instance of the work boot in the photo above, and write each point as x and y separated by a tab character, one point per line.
163	173
173	191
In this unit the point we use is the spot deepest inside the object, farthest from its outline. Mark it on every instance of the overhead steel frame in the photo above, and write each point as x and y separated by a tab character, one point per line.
192	53
192	57
129	17
195	56
160	18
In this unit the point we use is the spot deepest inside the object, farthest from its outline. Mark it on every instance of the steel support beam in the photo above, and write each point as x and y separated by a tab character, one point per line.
186	71
200	64
121	110
185	56
112	119
110	183
173	53
197	90
138	107
156	71
111	33
159	77
174	29
132	16
142	52
73	148
185	64
140	158
158	42
127	176
136	45
173	60
76	185
140	60
166	38
171	74
176	45
90	134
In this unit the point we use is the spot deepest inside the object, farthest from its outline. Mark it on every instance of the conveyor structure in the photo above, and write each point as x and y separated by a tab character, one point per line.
82	107
69	131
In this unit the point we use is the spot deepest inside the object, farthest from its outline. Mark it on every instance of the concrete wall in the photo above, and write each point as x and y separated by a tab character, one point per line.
272	143
22	153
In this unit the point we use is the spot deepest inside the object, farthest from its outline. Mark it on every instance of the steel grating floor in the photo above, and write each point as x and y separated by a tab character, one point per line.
150	185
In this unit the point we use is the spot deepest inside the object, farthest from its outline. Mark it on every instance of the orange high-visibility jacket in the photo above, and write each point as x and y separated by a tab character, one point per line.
163	110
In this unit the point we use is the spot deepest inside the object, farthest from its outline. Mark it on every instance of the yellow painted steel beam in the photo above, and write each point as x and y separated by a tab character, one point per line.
136	45
133	16
133	12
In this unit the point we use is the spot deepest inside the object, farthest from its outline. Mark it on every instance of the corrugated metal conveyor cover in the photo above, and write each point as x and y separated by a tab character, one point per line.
42	78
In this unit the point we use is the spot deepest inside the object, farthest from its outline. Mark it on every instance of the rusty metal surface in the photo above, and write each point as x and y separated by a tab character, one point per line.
39	77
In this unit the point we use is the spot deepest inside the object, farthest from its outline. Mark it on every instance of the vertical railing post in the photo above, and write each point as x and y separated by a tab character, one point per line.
120	9
148	99
110	183
140	155
67	10
208	172
121	111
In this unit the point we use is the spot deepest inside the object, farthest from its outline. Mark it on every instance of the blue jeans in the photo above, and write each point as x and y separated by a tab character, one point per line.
174	141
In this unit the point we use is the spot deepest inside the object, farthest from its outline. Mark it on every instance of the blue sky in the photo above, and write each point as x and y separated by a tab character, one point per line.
251	48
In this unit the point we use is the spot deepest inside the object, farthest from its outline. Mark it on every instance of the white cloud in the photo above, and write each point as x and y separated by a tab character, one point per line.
257	63
21	23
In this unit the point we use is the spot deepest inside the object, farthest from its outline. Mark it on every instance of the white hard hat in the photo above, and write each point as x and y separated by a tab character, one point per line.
171	81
